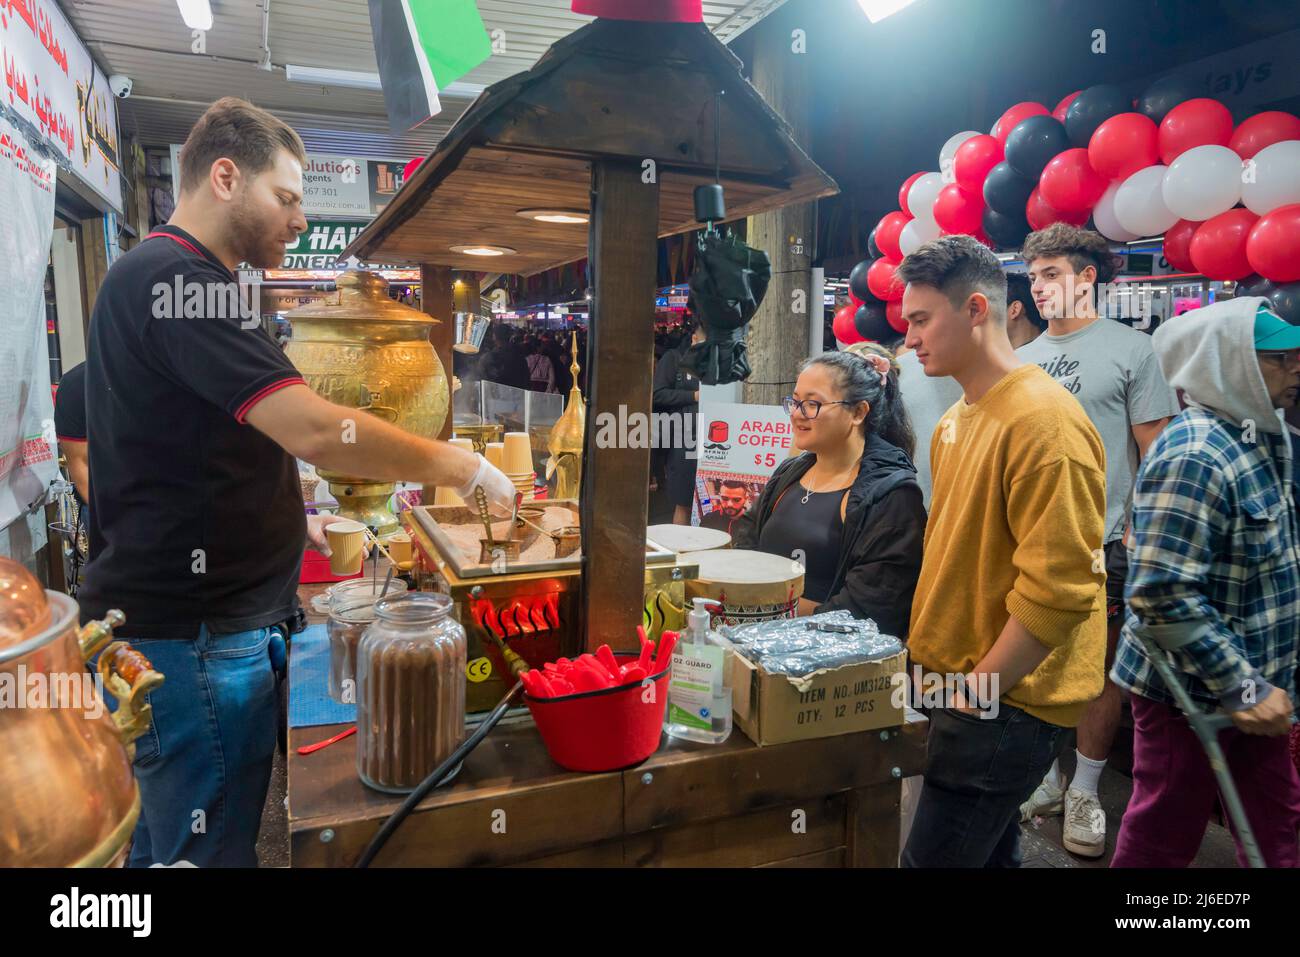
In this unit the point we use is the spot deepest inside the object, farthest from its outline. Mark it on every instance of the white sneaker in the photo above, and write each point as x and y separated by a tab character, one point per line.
1085	824
1046	800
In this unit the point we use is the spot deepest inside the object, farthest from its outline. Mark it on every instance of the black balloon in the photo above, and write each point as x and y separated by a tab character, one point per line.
1285	298
1254	285
858	282
1007	191
1035	142
871	323
1093	107
872	249
1006	231
1166	93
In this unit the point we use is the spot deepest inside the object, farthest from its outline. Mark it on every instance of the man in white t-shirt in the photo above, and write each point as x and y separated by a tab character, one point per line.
1112	370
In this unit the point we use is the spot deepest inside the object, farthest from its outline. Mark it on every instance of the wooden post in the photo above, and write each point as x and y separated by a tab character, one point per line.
620	372
437	300
777	338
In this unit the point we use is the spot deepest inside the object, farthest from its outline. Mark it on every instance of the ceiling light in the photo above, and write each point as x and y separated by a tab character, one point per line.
555	215
484	250
326	76
877	10
197	14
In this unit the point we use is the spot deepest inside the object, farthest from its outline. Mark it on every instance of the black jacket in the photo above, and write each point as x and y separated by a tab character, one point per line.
884	527
674	387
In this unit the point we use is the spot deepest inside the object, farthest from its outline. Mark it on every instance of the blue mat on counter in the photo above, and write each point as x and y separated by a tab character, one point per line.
310	703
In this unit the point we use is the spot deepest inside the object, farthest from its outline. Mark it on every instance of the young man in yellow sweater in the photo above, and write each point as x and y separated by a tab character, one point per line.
1011	594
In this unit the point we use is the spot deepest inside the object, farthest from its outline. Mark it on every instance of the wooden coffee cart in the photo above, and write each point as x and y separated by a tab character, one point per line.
616	121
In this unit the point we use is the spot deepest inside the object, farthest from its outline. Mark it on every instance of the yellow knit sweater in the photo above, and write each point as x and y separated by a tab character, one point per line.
1016	524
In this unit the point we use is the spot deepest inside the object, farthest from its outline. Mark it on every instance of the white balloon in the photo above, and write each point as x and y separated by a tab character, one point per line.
1272	178
1203	182
921	197
1139	203
917	232
949	151
1103	216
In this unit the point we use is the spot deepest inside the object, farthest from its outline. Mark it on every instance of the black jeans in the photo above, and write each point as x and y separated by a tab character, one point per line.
978	771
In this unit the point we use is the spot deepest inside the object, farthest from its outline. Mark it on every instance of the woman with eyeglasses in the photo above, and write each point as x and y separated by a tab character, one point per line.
848	507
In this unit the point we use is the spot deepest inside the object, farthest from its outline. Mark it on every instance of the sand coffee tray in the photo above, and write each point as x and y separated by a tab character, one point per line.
456	532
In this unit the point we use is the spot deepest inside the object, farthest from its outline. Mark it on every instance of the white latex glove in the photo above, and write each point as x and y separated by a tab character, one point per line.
500	490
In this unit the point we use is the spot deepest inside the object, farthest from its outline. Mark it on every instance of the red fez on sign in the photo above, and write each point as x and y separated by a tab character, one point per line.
662	11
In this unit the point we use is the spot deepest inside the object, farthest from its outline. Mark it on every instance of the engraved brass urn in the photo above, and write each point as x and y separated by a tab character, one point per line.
359	348
68	795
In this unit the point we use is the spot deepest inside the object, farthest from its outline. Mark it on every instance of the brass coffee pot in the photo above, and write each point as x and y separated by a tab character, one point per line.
359	348
67	790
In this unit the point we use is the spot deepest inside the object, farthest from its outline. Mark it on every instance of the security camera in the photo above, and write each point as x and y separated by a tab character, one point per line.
121	85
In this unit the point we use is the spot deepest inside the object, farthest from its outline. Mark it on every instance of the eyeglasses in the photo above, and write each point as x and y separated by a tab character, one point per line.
1286	358
808	408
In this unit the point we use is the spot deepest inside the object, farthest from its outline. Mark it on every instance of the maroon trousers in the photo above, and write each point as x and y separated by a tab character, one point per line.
1174	792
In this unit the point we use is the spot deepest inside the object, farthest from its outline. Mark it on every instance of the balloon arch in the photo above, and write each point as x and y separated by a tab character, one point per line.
1226	199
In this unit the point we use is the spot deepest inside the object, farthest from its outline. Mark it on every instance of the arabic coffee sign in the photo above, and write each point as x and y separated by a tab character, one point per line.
51	81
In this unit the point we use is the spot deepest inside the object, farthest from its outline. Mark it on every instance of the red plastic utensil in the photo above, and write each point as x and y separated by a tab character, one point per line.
664	656
633	674
309	748
606	657
646	658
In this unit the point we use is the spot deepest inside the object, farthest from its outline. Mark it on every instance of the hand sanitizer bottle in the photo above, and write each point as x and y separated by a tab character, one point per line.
699	706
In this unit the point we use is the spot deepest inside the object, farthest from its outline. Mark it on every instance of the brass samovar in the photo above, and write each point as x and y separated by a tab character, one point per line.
359	348
68	795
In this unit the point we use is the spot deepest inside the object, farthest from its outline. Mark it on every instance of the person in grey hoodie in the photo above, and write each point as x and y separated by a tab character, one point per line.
1214	583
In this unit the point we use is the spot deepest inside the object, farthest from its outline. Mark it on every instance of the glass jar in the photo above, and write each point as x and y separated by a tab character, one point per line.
350	606
410	691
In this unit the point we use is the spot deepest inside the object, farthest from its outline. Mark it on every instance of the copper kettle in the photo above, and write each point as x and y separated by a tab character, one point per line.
66	784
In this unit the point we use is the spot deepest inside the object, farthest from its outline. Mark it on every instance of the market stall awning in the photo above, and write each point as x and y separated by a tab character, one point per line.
644	92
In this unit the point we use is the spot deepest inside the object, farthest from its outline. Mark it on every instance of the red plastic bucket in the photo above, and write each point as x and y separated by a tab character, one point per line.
605	730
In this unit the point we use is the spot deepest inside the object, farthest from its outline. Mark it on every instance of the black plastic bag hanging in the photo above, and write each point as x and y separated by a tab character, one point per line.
728	285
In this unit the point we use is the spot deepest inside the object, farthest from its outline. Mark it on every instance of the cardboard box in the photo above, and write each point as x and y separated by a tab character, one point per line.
775	709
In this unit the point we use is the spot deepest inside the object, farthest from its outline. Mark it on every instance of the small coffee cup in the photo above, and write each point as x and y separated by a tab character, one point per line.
347	541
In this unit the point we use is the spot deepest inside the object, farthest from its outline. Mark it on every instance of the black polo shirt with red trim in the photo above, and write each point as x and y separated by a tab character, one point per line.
196	518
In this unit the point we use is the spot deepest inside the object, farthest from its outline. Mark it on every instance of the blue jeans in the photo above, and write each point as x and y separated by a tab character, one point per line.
204	765
978	772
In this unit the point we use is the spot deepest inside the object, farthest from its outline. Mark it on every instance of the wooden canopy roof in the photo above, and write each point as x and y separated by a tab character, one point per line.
614	89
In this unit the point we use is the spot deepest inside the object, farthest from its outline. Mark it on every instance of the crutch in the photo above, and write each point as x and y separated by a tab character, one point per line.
1207	728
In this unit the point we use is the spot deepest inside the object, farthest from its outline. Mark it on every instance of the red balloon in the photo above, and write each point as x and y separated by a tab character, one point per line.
1200	122
956	210
1040	215
1070	184
1122	145
1178	240
974	159
888	230
843	326
1008	120
894	315
1218	246
1064	105
882	281
1263	129
855	300
902	193
1273	247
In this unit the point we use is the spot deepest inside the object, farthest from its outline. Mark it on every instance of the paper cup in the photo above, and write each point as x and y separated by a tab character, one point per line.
399	547
445	496
347	541
493	452
517	455
465	444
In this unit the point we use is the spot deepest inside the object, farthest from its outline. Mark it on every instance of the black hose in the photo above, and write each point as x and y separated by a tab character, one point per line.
433	780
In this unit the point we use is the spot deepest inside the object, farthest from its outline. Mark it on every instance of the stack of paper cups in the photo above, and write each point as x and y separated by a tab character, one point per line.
494	453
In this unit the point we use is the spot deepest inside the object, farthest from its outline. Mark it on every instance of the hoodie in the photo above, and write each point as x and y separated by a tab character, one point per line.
1214	567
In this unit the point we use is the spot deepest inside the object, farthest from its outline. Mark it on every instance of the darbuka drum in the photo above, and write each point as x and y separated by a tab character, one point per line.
687	538
751	586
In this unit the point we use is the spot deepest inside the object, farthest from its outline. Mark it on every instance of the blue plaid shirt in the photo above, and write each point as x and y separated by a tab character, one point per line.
1214	563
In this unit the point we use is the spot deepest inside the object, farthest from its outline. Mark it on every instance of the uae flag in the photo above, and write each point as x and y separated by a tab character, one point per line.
422	47
663	11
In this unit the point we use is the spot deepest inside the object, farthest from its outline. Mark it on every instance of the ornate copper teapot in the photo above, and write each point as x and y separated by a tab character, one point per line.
67	790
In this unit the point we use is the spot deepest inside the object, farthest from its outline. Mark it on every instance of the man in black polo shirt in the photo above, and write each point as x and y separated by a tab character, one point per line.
70	427
197	524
